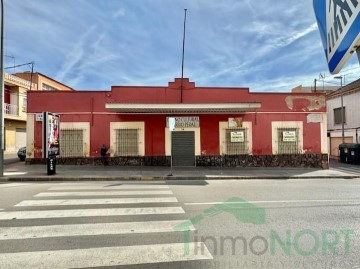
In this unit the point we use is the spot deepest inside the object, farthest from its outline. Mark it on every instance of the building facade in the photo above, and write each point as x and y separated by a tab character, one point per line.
195	125
350	95
43	82
16	88
15	108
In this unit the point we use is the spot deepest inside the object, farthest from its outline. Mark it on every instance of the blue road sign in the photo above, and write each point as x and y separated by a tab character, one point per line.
339	25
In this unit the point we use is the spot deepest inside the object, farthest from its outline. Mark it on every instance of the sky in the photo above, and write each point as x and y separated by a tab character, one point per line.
267	46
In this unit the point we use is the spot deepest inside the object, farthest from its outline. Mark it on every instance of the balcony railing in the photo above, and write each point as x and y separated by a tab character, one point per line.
19	81
10	109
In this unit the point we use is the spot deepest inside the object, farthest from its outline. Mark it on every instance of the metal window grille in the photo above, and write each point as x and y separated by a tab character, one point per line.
127	142
236	148
71	143
288	147
337	115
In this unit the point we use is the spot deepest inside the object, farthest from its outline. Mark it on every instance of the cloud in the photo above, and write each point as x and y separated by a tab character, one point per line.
119	13
93	44
281	42
74	56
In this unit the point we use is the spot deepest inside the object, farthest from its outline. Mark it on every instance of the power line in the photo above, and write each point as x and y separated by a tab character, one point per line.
19	65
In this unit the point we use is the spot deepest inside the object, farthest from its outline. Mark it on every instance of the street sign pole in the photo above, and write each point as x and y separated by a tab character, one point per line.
171	122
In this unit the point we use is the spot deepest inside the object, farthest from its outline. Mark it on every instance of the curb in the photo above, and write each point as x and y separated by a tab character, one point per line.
162	178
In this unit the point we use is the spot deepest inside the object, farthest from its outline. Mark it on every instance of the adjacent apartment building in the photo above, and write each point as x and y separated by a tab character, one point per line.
349	95
16	88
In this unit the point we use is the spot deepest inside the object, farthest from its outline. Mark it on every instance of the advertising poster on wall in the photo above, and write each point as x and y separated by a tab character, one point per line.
51	134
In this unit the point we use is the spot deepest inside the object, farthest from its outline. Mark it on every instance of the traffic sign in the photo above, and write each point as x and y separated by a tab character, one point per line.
339	26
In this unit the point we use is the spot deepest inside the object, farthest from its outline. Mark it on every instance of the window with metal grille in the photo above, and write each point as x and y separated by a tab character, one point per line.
236	141
71	143
127	142
337	115
288	141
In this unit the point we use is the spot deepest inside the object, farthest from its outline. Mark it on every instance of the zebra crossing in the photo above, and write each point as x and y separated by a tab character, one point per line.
79	225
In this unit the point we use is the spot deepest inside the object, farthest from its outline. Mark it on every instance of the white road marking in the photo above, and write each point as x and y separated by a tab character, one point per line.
14	173
108	256
10	185
275	202
115	201
103	193
120	187
93	229
73	213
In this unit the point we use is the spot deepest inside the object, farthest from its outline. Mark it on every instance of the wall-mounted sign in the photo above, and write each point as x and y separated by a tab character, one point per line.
51	134
289	136
184	122
171	124
237	137
235	122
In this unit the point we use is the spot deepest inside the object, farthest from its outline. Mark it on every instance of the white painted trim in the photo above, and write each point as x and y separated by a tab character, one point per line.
30	129
223	125
183	108
127	125
286	124
324	139
197	139
85	127
206	112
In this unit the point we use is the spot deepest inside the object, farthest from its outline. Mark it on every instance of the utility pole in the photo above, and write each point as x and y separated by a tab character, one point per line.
183	57
2	92
31	75
342	109
315	84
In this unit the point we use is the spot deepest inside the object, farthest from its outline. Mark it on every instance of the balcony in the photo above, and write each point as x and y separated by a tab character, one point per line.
11	110
14	80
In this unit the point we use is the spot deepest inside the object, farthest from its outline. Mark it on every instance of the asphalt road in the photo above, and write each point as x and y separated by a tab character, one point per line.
181	224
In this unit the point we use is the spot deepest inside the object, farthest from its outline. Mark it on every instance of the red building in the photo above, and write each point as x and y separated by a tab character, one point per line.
213	126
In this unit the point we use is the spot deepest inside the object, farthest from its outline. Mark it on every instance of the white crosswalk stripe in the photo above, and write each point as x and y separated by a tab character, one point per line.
140	220
108	187
115	201
92	229
101	212
102	193
109	256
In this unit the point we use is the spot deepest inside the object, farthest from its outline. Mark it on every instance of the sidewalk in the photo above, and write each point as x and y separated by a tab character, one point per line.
21	172
10	158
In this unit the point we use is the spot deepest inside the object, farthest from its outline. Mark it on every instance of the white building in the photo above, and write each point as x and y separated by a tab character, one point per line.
351	103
